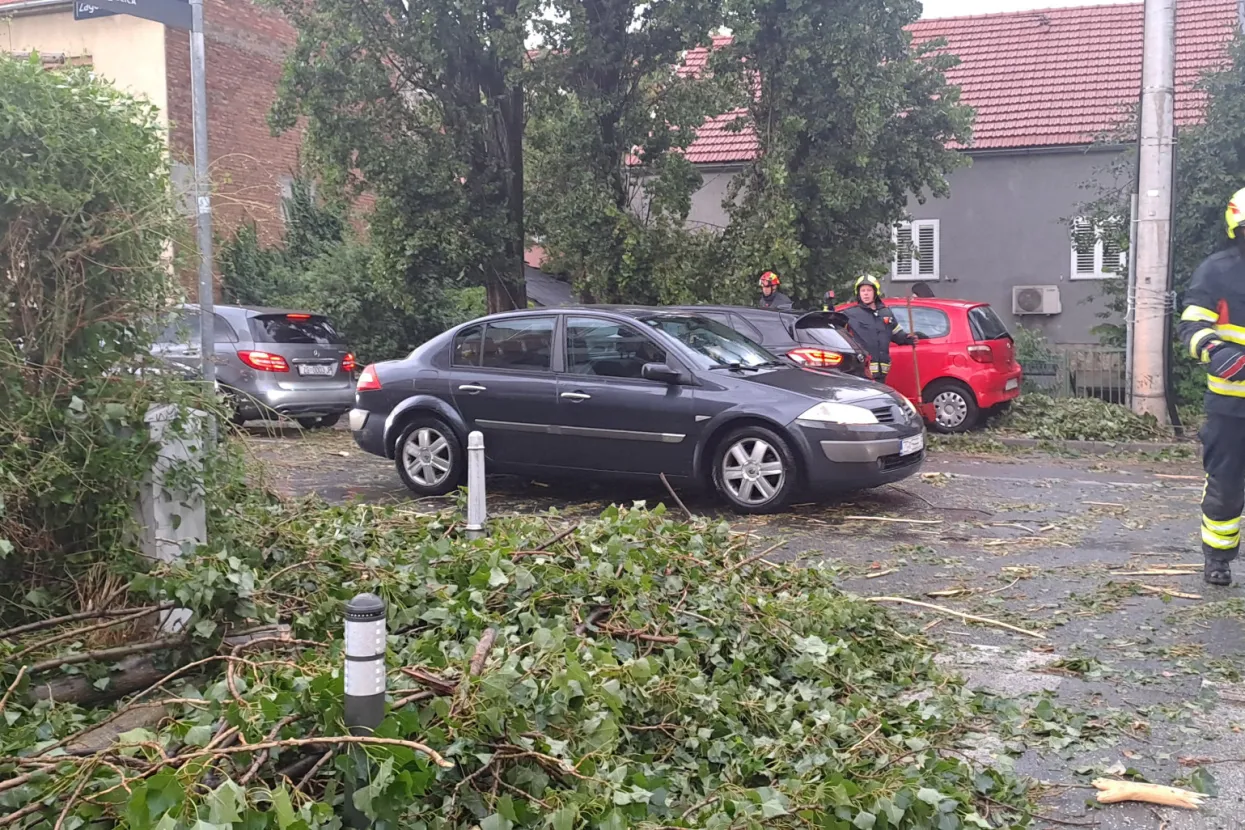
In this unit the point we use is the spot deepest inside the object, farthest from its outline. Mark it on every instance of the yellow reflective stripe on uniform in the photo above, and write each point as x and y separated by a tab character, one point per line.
1231	388
879	367
1231	333
1218	542
1196	341
1232	527
1197	314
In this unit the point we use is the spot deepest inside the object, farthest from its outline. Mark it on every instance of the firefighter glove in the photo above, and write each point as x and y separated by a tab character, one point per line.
1227	360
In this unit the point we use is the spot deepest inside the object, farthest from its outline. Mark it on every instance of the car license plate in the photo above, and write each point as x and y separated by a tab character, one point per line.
316	369
911	444
1011	384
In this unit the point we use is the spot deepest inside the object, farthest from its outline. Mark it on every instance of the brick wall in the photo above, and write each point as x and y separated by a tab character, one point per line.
245	46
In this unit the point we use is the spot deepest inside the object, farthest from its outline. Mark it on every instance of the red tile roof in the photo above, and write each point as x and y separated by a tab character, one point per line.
1039	78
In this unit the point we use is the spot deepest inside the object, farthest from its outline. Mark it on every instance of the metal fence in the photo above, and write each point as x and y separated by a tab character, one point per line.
1085	372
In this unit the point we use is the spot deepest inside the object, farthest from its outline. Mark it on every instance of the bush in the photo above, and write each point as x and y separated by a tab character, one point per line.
85	223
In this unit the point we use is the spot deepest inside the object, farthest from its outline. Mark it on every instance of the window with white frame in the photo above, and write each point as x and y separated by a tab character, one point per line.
1096	252
917	250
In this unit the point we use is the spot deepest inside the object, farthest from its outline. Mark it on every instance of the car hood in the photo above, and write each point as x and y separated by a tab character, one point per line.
820	386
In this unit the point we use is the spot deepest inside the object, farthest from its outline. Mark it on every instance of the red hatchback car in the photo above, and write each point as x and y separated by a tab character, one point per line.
966	361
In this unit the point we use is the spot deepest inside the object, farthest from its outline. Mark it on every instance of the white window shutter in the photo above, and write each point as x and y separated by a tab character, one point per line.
903	250
1084	248
927	249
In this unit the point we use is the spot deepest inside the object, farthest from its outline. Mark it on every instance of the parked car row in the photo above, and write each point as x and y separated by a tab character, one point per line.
759	405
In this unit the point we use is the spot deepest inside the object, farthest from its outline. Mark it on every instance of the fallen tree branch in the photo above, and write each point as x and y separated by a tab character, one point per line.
306	779
939	506
253	770
597	614
78	632
16	681
368	740
82	615
480	655
675	496
108	654
889	519
438	685
1113	792
969	617
752	559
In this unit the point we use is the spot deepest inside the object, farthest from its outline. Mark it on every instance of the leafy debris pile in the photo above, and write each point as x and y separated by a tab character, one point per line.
1039	416
631	671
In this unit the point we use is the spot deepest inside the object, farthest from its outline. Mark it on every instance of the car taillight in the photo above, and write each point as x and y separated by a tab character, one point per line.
981	354
368	381
298	316
815	357
348	363
264	361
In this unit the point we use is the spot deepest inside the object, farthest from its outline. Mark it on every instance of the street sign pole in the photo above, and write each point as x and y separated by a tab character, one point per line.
203	200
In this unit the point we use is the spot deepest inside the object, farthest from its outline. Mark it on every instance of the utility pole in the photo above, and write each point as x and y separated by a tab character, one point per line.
203	200
1154	203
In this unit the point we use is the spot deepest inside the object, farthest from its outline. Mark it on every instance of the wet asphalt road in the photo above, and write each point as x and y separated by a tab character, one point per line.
1144	666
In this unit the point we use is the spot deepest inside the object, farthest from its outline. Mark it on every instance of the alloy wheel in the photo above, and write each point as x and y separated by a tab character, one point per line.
951	409
753	471
426	455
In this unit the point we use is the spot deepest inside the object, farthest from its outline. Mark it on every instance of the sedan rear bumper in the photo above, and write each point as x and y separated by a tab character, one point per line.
368	430
299	402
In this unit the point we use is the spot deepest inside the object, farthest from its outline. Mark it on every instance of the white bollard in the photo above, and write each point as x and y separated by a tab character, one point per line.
365	683
477	506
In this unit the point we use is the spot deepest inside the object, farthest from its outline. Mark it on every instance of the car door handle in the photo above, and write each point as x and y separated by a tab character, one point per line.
472	388
576	396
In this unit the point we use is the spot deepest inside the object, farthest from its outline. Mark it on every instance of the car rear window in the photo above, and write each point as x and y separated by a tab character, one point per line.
829	337
311	329
985	324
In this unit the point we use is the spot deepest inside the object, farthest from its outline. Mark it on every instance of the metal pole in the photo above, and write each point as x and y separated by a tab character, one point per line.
1154	203
477	507
203	200
365	682
1130	307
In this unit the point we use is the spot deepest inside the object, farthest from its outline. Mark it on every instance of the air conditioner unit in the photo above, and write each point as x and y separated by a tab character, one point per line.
1035	299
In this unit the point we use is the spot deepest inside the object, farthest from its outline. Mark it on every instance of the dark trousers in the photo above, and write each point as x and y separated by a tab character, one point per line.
1223	459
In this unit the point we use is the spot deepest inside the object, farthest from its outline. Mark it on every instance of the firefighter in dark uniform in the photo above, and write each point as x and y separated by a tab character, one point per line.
1212	327
875	326
771	297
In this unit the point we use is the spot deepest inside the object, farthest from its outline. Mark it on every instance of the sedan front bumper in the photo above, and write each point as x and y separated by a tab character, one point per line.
842	458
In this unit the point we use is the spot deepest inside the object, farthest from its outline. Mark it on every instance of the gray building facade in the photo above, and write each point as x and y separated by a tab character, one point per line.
1008	223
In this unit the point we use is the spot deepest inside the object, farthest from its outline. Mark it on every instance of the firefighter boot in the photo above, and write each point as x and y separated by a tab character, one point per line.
1217	570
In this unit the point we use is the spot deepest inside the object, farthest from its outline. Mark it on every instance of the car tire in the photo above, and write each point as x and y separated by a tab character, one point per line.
955	406
429	457
754	470
322	422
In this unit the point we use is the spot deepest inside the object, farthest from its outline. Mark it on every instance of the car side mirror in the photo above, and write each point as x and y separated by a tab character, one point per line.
659	372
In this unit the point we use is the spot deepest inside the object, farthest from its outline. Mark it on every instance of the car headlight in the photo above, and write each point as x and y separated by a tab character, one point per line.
838	413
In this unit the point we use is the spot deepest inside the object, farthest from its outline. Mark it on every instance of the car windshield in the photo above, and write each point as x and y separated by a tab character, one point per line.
986	324
721	345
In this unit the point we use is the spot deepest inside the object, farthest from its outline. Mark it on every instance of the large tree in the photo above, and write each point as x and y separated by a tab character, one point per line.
852	118
609	187
425	100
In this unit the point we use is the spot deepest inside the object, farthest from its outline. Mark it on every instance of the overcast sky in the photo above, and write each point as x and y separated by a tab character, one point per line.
955	8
